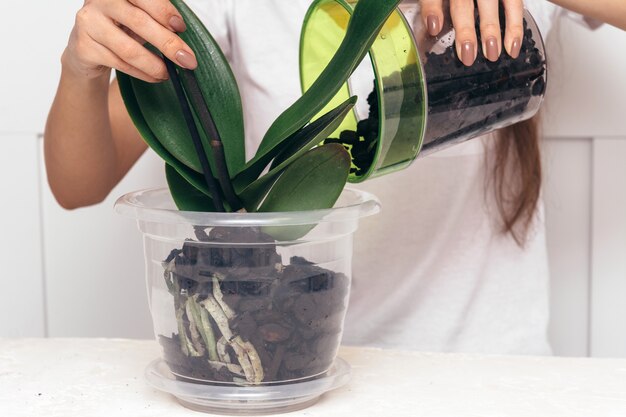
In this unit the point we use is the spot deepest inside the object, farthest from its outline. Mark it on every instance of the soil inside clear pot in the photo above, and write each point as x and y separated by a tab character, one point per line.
247	317
248	307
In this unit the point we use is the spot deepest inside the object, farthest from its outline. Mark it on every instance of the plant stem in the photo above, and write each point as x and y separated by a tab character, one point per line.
195	136
208	124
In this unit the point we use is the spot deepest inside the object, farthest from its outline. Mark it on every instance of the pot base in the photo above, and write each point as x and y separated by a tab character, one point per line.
246	400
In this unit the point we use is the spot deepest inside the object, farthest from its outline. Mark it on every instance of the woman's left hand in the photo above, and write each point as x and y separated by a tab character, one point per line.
462	12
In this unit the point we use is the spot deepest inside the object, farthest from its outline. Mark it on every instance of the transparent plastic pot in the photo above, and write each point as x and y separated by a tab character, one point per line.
247	307
421	98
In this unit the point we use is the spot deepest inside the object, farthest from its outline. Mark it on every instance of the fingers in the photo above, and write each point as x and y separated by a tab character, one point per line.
432	15
111	34
462	12
101	56
163	12
514	12
145	26
133	35
133	56
113	61
490	34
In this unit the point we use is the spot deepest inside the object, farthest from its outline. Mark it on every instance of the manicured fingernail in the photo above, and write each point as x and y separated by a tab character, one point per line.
467	53
516	46
186	60
492	49
178	24
432	22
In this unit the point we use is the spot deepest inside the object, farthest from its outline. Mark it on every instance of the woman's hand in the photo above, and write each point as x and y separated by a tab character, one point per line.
110	34
462	12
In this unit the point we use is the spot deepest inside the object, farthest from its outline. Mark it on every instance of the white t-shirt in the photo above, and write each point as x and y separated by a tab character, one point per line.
432	271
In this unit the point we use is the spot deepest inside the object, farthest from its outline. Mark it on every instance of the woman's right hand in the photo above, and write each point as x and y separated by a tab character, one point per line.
462	15
110	34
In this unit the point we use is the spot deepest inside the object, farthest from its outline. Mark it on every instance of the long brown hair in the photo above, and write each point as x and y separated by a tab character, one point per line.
517	177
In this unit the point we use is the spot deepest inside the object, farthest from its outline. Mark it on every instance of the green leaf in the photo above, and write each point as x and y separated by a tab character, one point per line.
132	106
368	18
314	181
320	130
159	106
297	145
259	162
186	196
218	87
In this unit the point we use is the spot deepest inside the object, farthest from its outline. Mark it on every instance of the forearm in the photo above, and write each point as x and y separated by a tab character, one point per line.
90	142
81	156
612	12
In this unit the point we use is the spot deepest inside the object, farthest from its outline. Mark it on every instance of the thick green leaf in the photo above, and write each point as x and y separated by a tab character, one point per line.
314	181
159	106
186	196
307	179
218	86
128	95
322	128
300	142
368	18
300	139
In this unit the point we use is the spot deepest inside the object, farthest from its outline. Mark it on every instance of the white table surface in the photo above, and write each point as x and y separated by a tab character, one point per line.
104	377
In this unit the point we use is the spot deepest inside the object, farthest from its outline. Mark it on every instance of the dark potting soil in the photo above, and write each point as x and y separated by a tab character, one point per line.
290	313
463	102
362	143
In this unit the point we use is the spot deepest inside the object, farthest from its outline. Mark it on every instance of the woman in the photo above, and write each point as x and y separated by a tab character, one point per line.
457	260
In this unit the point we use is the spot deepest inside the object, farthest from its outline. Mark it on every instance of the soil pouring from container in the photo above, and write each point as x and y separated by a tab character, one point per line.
420	97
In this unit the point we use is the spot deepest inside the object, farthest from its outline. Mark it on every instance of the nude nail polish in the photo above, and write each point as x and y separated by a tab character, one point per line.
467	53
177	24
186	60
492	52
516	47
432	22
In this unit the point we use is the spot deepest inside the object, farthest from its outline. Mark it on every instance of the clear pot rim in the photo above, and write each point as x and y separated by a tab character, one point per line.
156	205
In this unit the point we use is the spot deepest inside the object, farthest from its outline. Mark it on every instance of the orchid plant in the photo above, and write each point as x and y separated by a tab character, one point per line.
194	122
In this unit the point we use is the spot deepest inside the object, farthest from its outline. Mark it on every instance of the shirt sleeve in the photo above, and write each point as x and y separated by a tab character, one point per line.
214	15
583	20
546	14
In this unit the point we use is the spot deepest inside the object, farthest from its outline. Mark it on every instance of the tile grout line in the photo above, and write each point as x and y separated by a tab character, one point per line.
591	251
42	250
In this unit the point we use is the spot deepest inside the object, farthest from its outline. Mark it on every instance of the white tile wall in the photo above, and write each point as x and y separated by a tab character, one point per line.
608	256
34	34
95	266
22	288
567	197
